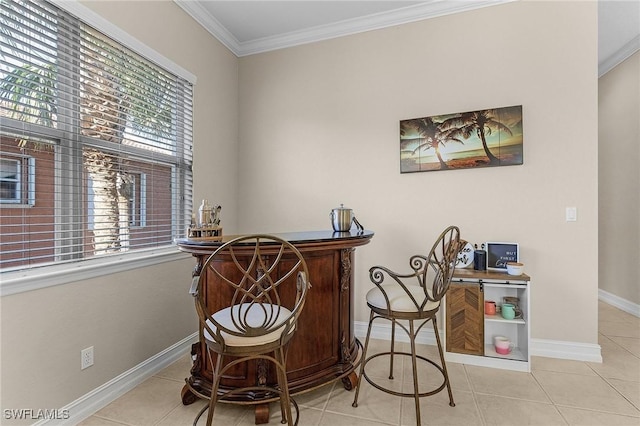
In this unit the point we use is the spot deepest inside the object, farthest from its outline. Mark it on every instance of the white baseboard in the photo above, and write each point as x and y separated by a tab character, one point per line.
619	302
100	397
566	350
539	347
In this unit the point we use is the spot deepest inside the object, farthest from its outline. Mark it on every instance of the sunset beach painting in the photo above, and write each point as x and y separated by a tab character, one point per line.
484	138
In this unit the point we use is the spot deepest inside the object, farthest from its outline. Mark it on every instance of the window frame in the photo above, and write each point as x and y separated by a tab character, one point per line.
40	276
25	181
17	182
138	200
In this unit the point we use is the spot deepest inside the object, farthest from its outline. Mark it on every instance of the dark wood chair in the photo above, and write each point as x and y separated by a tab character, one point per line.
414	297
262	280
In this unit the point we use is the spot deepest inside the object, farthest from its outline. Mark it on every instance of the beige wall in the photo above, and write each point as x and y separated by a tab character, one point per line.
127	317
619	194
131	316
320	123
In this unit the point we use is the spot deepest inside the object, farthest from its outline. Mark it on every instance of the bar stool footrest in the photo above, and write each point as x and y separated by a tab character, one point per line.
403	394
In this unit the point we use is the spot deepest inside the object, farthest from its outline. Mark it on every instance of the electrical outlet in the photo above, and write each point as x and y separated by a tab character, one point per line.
86	358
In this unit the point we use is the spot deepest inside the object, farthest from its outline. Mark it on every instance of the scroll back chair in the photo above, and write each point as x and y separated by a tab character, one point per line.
263	281
412	297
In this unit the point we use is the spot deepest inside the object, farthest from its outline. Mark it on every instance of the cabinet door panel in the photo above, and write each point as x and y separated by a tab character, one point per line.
313	346
465	319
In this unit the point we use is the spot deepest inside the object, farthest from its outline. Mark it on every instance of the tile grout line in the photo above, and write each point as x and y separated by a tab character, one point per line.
474	396
619	345
591	410
607	379
553	403
120	422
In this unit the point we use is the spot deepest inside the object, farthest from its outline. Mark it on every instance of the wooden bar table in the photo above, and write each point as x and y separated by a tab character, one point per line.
324	348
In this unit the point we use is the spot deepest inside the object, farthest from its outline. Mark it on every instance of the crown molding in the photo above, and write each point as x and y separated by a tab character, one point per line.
376	21
209	23
366	23
619	56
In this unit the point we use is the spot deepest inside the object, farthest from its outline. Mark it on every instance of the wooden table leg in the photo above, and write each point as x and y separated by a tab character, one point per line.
187	396
349	382
262	414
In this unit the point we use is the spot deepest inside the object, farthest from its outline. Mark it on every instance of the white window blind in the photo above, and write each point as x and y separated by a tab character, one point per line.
108	135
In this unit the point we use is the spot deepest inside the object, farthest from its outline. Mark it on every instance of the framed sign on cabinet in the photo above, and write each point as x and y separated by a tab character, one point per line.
499	253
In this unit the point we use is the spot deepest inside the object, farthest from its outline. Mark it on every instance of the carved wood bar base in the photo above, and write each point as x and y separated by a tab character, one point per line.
323	349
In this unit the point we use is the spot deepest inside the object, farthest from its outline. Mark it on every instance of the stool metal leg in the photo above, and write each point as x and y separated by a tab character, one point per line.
214	391
285	398
414	367
393	344
444	365
364	361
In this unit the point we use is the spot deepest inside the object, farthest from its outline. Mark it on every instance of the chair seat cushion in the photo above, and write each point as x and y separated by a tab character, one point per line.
255	317
399	299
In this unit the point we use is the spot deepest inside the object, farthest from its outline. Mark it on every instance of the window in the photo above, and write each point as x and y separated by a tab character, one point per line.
109	130
136	195
10	181
14	178
17	179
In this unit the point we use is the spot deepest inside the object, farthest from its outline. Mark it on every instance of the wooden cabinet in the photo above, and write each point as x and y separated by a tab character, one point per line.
469	332
324	347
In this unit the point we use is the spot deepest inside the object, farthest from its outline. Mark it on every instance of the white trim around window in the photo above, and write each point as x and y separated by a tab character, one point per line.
101	24
16	282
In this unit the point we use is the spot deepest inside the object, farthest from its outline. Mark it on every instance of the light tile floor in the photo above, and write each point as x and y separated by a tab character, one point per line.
556	392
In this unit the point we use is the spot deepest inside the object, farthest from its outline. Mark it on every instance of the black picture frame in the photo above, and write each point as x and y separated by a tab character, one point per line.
499	253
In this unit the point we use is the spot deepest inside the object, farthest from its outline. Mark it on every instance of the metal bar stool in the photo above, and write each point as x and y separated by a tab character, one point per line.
261	281
414	298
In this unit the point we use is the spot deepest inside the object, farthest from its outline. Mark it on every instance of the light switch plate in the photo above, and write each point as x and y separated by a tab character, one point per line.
572	214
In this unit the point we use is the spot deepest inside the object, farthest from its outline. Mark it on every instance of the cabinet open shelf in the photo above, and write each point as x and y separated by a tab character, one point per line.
498	318
516	353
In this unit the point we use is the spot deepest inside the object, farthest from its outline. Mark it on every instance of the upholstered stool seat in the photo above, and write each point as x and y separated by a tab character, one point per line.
255	316
399	299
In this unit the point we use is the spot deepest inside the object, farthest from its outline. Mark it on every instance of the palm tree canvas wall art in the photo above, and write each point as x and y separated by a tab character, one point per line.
484	138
